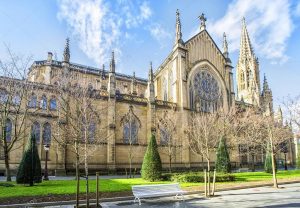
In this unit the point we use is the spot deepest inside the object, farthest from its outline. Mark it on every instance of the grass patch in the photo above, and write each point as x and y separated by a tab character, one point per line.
10	190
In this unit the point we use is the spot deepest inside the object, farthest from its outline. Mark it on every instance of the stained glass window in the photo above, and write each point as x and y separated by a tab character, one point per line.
165	90
163	136
44	102
171	84
131	125
35	131
16	100
46	133
53	104
3	96
92	131
204	92
8	130
33	101
130	132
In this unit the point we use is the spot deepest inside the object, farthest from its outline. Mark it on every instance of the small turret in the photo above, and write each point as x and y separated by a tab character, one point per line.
133	85
178	37
112	78
225	46
67	51
150	89
112	63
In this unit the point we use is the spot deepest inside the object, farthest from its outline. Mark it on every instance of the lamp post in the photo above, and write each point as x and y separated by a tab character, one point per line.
46	148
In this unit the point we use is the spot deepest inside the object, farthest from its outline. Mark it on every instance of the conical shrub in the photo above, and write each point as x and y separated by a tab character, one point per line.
223	160
29	170
152	167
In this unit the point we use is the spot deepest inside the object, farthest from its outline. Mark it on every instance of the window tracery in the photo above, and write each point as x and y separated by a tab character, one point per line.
205	93
44	102
131	125
165	90
8	130
35	131
47	133
33	101
53	104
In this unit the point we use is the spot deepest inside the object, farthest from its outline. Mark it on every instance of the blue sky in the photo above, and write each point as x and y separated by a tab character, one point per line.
141	31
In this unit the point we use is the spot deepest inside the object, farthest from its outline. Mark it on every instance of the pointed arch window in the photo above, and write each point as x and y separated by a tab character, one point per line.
47	133
191	94
165	90
32	101
16	100
3	96
164	137
131	125
53	104
44	102
35	131
92	131
8	130
171	90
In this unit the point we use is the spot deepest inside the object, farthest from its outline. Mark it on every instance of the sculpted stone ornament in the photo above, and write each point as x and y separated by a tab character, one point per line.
202	19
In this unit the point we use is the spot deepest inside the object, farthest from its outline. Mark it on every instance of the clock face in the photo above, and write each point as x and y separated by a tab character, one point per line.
206	86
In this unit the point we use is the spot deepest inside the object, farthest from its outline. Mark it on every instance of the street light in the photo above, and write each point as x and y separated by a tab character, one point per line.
46	148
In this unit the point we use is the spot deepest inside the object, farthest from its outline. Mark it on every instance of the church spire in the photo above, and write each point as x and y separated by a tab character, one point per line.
112	63
246	50
247	76
225	46
178	38
265	85
67	51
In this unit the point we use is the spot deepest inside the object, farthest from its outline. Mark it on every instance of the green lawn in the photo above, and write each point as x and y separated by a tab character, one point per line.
113	185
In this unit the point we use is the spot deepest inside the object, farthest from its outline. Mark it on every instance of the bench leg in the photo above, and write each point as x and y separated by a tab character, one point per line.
139	201
182	197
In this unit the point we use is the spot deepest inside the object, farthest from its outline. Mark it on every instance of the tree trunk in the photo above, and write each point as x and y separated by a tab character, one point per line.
130	166
274	168
6	155
208	177
253	165
7	168
170	163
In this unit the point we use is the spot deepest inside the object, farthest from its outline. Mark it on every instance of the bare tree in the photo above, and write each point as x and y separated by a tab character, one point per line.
263	133
14	92
292	108
167	131
79	123
203	137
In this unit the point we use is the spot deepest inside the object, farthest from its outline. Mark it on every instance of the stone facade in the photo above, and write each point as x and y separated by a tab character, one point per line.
195	76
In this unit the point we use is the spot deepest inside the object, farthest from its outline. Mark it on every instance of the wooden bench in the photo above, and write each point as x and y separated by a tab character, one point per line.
150	191
243	170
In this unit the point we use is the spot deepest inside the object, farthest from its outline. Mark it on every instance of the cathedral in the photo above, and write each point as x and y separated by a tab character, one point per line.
197	75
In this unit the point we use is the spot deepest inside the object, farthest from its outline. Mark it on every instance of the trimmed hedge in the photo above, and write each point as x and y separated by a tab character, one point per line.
196	177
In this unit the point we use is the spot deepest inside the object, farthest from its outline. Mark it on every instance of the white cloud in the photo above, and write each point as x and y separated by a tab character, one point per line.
297	10
159	34
99	26
269	25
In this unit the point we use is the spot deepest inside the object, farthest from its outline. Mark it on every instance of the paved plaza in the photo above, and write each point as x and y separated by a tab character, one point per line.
286	196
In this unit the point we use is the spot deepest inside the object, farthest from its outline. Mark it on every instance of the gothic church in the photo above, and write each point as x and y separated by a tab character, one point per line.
196	76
